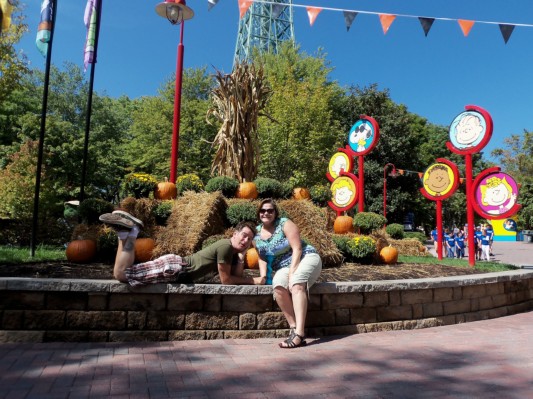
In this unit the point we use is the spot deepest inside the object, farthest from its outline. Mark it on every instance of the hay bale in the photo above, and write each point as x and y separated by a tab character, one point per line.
409	246
142	209
195	216
312	223
86	232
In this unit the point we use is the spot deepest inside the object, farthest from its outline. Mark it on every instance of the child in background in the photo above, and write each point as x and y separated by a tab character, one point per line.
485	245
460	245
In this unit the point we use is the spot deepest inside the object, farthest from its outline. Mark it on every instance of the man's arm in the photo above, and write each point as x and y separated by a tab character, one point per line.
227	278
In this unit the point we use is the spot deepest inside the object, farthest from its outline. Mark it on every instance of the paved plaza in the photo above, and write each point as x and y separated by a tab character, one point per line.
483	359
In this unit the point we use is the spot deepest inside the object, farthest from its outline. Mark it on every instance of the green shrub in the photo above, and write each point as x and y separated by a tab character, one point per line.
162	211
189	182
286	190
341	242
106	246
395	230
320	195
227	185
269	188
367	222
362	248
417	236
240	212
139	185
91	209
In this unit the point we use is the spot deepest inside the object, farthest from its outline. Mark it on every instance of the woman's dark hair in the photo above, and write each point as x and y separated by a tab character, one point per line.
268	201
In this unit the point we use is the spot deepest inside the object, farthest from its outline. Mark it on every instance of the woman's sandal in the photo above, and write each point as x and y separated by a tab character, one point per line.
289	342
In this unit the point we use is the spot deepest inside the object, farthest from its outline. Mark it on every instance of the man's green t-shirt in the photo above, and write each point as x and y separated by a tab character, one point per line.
203	264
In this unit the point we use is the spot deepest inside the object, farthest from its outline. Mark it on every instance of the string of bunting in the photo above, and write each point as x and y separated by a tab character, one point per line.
402	172
385	19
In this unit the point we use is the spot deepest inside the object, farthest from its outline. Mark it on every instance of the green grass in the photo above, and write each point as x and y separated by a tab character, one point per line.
480	265
14	255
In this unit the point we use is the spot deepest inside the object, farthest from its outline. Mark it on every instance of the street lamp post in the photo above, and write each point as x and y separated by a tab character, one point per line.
176	11
393	174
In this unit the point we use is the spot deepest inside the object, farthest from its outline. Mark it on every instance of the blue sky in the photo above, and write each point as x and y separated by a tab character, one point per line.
434	76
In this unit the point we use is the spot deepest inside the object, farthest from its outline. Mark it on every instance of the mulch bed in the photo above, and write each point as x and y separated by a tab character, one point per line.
347	272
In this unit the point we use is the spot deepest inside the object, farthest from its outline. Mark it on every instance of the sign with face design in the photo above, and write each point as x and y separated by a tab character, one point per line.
496	195
339	161
363	136
343	192
440	180
470	131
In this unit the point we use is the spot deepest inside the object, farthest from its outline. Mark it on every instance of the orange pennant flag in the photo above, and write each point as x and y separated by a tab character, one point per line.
244	5
420	174
465	25
462	180
386	21
401	171
313	12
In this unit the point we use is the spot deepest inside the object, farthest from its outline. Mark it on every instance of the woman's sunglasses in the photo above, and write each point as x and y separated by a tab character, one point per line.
269	211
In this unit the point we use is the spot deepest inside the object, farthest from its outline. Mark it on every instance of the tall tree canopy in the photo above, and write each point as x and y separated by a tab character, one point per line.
516	158
149	139
298	141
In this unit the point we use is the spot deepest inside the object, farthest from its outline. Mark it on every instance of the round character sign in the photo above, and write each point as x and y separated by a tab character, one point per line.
343	192
363	135
496	194
440	180
339	161
470	131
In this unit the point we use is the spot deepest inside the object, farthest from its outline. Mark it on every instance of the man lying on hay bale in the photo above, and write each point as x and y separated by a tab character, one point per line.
225	257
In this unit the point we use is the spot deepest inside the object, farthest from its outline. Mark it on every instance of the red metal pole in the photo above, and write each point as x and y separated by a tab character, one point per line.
177	109
439	229
470	210
361	184
385	191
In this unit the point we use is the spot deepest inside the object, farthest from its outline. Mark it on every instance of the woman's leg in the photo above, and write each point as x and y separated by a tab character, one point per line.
299	304
284	301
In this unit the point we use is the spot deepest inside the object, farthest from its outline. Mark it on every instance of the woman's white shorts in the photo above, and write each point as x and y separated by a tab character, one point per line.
307	272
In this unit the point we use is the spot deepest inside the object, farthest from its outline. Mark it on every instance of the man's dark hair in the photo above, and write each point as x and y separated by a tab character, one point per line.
244	224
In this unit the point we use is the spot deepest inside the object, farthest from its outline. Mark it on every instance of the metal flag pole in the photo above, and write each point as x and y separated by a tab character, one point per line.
90	102
35	224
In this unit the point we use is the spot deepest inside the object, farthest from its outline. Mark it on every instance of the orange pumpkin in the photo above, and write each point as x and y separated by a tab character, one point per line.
252	258
165	191
247	190
343	225
144	248
81	251
389	255
300	193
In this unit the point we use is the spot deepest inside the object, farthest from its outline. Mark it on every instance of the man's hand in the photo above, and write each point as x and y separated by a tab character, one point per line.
259	280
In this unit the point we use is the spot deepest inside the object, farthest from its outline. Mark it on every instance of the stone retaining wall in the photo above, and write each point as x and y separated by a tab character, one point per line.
45	310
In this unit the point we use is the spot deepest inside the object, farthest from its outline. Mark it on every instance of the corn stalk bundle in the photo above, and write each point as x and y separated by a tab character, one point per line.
237	104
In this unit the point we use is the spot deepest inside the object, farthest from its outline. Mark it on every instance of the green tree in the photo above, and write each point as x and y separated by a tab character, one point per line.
65	134
13	71
516	159
303	133
13	64
149	139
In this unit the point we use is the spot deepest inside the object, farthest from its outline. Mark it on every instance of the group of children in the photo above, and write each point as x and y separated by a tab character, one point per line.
454	241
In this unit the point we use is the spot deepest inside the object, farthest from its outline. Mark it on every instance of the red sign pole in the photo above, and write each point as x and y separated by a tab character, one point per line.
361	184
439	229
470	210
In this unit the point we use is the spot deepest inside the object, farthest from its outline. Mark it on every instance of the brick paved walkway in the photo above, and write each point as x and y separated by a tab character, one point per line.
485	359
